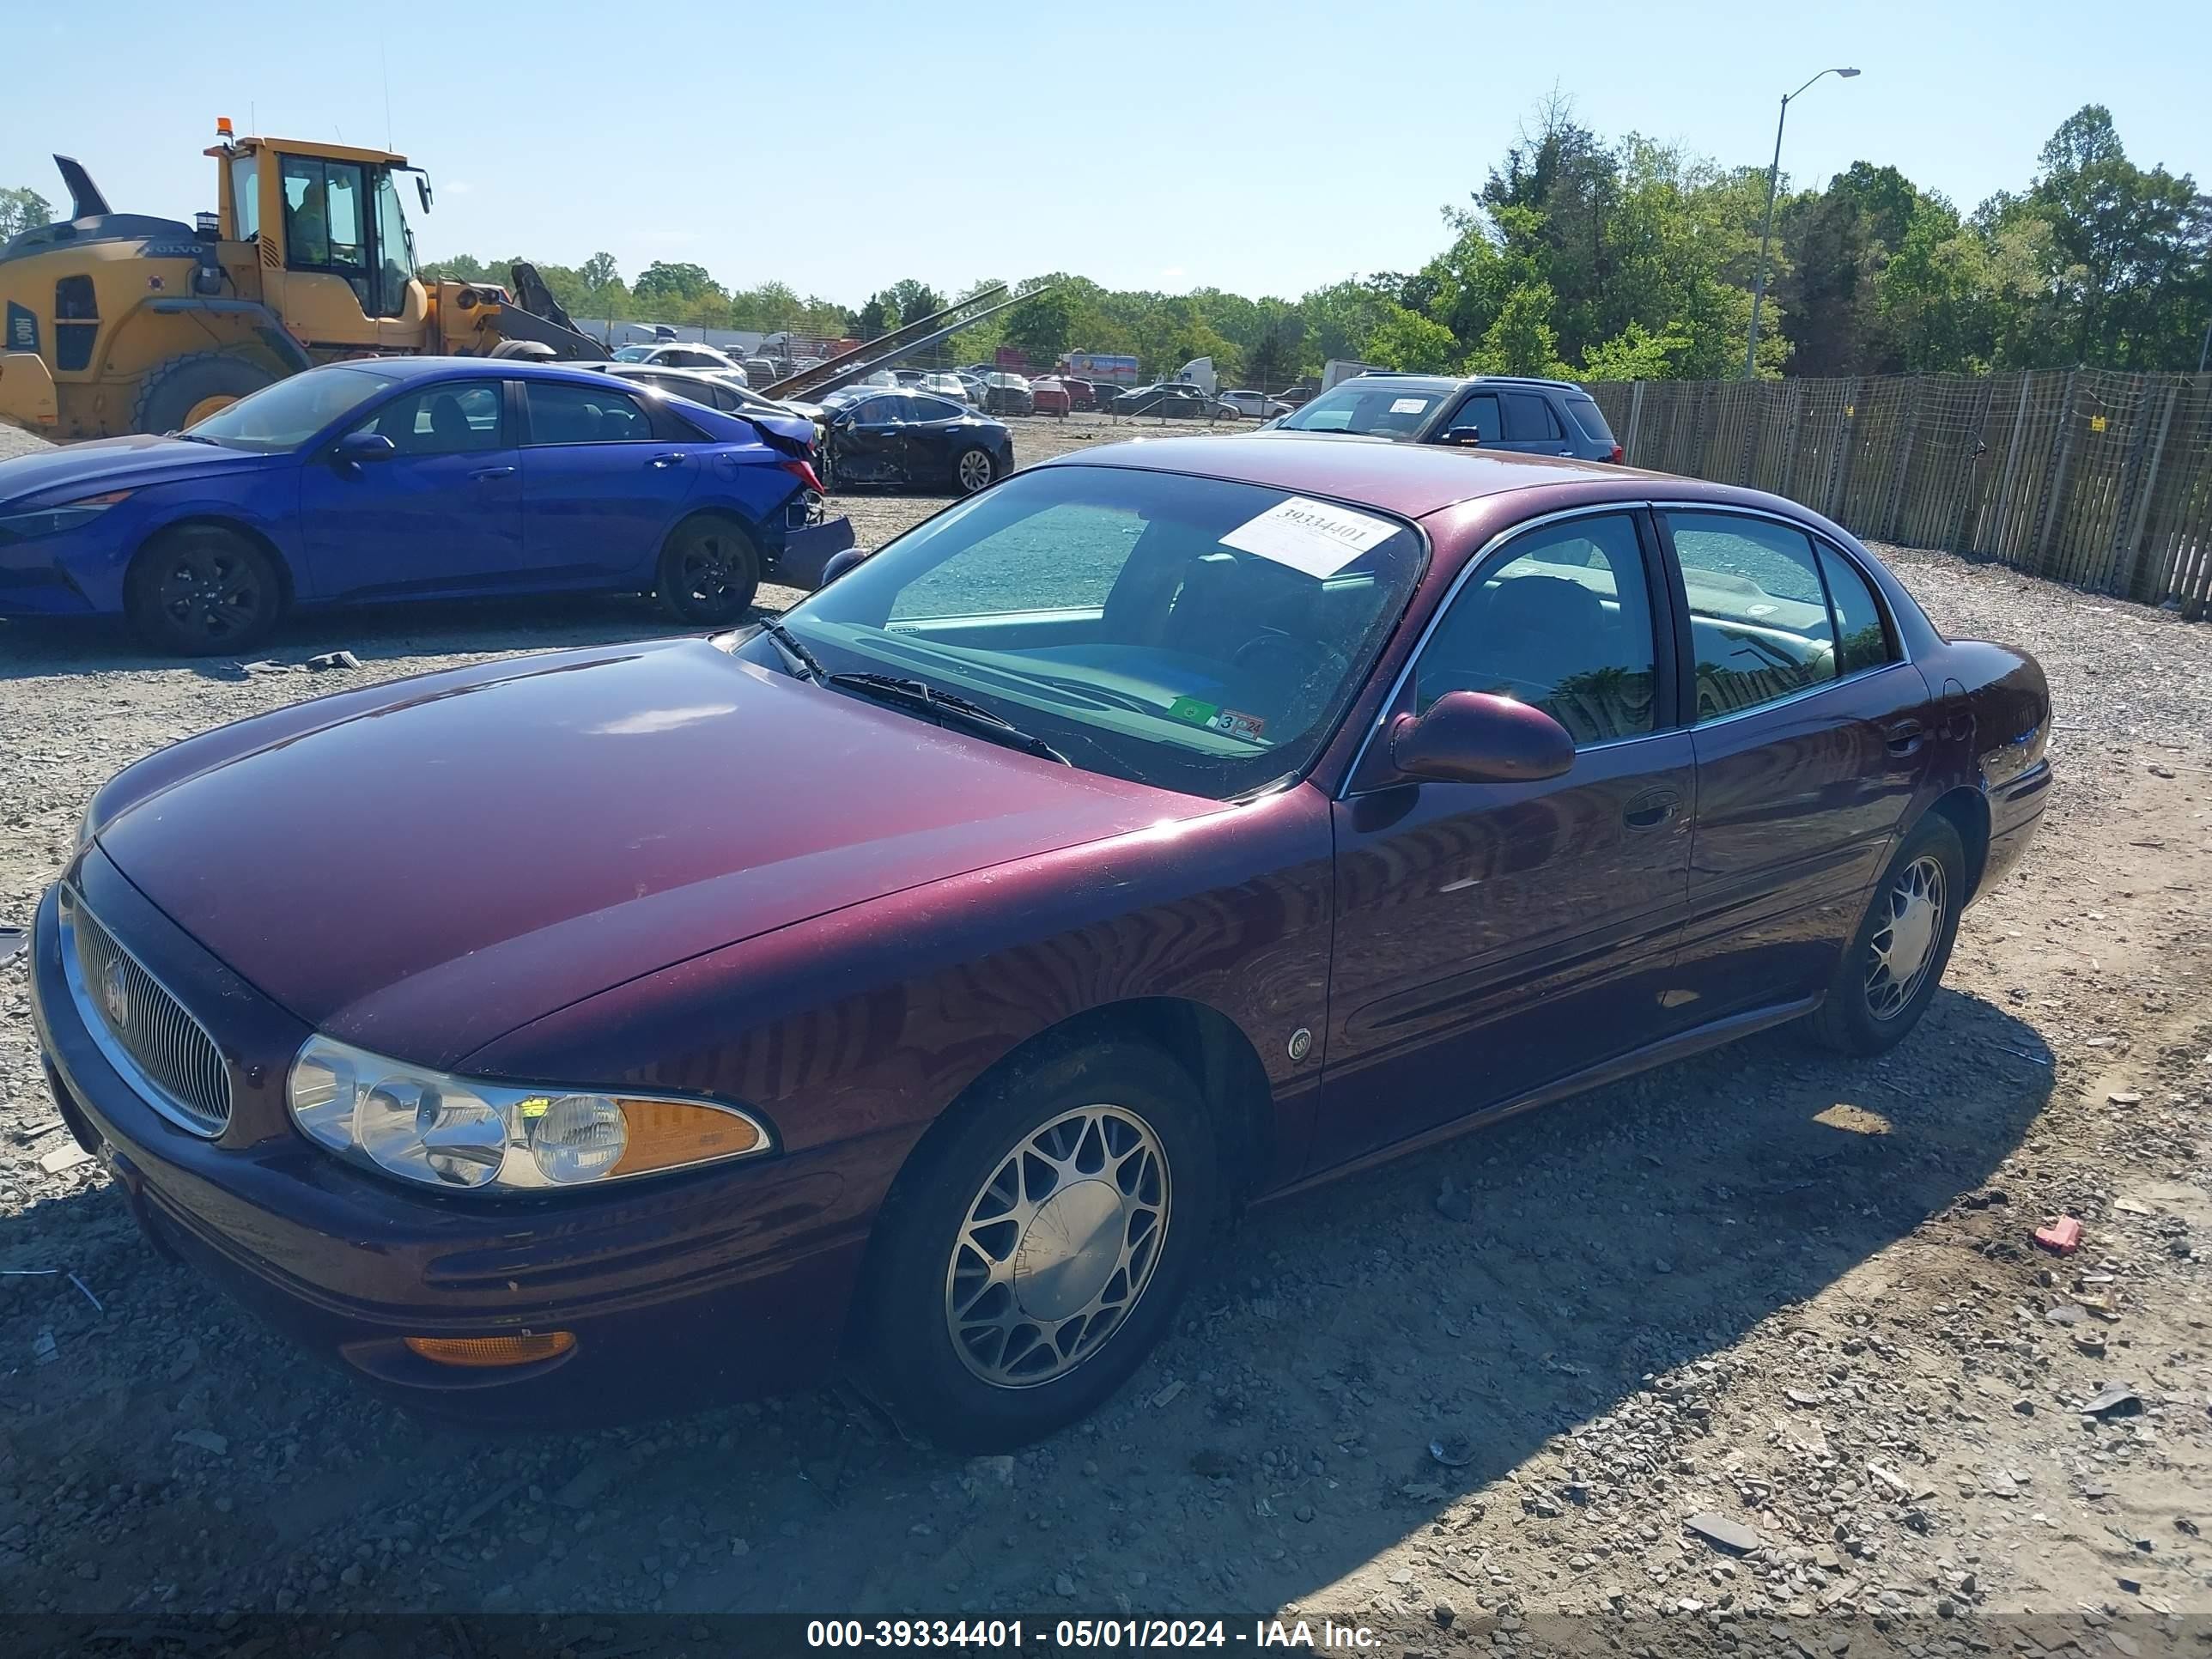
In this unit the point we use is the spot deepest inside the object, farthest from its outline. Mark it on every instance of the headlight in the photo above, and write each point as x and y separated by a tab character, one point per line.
444	1131
64	515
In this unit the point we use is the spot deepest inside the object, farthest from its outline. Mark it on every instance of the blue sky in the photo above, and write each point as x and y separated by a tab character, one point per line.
1261	148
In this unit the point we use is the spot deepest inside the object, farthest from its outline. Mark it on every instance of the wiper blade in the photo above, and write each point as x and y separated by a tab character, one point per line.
794	648
949	706
194	438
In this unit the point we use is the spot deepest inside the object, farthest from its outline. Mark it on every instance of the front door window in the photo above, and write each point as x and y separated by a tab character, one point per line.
326	222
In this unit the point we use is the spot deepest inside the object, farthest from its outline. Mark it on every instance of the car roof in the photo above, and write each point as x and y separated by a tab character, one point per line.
1448	382
418	369
1412	480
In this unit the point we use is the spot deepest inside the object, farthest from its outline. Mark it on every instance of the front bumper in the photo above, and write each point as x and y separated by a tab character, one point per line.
679	1293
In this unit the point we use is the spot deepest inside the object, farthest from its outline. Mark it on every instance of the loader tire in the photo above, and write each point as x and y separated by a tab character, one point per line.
192	387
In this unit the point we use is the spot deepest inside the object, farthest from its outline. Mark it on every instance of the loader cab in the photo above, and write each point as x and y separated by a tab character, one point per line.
326	240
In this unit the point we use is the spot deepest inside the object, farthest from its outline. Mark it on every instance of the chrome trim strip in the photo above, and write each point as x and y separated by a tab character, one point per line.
179	1023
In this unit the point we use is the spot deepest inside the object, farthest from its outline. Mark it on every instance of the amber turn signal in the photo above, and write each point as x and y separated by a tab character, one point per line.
666	1134
480	1353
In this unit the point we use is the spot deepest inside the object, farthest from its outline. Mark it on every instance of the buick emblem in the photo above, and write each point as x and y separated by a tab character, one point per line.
115	994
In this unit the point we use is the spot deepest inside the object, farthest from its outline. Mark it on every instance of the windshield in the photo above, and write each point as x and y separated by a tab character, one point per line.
1189	633
286	414
632	354
1377	409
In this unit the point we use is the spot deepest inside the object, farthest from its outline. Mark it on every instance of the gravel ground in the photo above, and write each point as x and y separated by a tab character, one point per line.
1442	1400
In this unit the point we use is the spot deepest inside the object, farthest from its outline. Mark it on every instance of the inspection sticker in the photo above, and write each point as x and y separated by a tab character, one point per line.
1313	536
1408	405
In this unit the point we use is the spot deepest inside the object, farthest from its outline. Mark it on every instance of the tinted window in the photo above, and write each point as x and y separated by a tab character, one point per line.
1528	419
1759	614
1561	619
877	411
448	419
936	409
1213	645
1482	412
563	414
1590	416
1862	639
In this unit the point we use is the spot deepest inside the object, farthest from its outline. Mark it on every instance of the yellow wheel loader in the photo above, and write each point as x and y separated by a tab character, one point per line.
113	322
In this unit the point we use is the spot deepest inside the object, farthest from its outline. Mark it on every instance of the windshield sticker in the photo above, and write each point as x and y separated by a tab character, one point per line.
1408	405
1212	716
1314	538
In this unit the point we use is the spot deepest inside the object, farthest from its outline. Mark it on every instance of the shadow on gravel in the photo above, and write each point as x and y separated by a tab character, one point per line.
1612	1245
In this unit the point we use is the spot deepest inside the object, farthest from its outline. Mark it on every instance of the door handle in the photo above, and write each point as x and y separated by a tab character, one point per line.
493	472
666	461
1650	809
1904	738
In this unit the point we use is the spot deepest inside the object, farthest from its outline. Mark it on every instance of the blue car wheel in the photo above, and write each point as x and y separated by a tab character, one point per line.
709	569
202	591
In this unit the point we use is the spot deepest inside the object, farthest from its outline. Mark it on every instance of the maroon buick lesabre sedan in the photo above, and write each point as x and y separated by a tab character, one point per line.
922	979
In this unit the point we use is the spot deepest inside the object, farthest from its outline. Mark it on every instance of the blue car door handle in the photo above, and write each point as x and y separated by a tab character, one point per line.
666	461
1650	809
493	472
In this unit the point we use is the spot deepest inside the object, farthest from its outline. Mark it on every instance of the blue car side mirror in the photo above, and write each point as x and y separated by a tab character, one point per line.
358	447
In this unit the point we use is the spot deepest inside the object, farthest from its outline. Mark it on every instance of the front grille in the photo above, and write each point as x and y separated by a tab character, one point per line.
170	1054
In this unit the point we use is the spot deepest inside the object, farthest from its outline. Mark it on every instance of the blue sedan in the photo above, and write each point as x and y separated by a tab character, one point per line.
420	477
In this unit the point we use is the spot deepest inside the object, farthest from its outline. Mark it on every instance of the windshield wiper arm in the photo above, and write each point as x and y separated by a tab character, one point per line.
794	648
194	438
949	706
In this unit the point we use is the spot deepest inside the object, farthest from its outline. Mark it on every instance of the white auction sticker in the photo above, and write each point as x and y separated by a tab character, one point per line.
1317	538
1408	405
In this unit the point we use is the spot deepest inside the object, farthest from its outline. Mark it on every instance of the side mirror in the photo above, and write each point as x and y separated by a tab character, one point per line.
1473	737
358	447
840	563
1468	435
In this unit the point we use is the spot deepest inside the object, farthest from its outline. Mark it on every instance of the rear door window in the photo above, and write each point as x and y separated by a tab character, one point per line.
563	414
1528	419
1758	611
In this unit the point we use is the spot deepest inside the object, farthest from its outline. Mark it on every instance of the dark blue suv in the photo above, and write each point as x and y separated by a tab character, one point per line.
1489	411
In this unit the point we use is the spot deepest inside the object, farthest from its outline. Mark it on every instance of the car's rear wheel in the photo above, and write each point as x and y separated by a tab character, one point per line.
202	591
709	570
1035	1248
1890	973
973	469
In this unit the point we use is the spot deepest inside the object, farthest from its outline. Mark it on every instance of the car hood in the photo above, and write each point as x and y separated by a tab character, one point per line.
118	463
442	859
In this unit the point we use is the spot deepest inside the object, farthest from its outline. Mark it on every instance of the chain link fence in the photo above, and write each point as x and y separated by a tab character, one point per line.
2090	476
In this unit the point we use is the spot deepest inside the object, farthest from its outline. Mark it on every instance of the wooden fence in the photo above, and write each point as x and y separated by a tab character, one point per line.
2086	475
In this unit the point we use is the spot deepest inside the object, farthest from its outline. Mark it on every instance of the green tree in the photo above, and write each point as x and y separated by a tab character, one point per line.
1407	339
878	318
1043	327
661	281
914	299
1634	354
1519	339
22	210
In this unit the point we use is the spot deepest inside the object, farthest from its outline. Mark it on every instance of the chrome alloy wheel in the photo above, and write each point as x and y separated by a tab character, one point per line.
1058	1246
1903	944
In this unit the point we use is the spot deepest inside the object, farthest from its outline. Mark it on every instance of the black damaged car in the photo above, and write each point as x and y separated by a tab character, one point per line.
901	437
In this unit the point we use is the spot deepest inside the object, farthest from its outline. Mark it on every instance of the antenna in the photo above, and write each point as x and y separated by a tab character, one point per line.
383	60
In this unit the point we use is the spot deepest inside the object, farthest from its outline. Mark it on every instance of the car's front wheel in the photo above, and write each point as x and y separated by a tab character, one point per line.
202	591
709	571
1895	961
1035	1248
973	469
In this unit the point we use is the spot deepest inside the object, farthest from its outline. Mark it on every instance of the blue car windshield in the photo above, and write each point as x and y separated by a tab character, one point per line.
1193	634
284	416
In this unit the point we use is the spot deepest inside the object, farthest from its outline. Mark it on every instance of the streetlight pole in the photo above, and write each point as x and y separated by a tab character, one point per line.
1766	227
